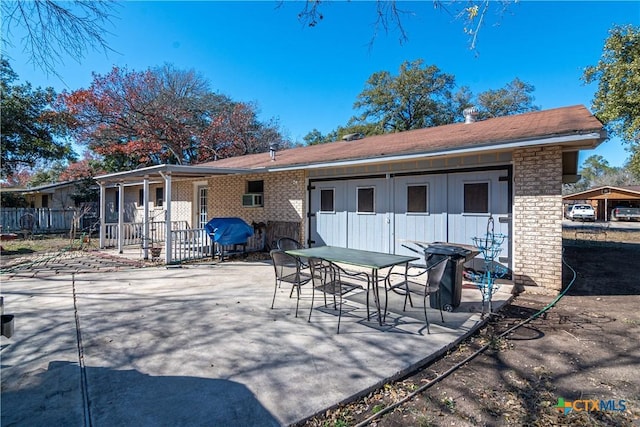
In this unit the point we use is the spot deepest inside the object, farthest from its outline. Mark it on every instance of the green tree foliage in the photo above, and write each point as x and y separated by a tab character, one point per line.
31	130
314	137
419	96
596	172
617	100
595	167
515	98
423	96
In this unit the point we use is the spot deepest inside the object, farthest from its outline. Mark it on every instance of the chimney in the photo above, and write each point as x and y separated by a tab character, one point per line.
470	114
272	150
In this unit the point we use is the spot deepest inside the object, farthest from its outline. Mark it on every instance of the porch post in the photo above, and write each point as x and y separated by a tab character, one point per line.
103	222
167	219
145	220
120	217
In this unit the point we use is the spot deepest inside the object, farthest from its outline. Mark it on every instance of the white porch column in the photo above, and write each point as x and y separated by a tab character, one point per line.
145	230
103	210
167	219
120	217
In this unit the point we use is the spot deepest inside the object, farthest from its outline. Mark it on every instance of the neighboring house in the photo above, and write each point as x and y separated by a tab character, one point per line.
435	184
51	205
606	198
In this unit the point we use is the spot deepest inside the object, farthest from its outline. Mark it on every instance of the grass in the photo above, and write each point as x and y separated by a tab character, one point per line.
45	243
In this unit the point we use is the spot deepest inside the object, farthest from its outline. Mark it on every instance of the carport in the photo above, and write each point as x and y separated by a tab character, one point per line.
606	198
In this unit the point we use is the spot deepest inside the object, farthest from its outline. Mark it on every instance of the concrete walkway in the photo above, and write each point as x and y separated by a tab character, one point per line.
197	345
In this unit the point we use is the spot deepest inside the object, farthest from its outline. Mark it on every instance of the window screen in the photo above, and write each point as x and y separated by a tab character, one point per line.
159	196
476	197
327	200
417	198
255	186
366	200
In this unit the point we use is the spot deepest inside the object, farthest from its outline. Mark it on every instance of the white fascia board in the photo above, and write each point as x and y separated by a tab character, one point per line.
567	139
169	169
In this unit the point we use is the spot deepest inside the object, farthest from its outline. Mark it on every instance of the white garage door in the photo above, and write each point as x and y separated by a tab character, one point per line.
380	214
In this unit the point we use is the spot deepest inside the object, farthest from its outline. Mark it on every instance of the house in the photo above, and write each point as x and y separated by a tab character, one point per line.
52	207
435	184
606	198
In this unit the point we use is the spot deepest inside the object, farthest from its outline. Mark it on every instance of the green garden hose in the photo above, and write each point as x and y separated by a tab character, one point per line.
472	356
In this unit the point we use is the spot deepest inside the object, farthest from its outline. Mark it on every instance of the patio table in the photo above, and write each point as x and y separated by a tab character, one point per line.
360	258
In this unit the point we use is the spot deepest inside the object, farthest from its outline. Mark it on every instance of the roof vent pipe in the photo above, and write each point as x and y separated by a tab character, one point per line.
470	114
272	150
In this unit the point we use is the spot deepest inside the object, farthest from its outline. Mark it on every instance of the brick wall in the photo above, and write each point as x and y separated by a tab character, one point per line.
284	198
537	217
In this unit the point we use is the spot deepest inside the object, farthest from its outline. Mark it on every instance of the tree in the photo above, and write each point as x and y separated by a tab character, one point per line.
162	115
617	100
388	14
31	130
55	29
422	96
595	167
315	137
419	96
596	172
514	98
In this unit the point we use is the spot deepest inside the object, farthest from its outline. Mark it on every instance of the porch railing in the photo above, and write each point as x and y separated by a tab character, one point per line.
187	244
193	244
190	244
133	233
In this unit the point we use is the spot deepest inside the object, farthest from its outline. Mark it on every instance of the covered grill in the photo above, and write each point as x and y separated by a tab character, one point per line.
229	236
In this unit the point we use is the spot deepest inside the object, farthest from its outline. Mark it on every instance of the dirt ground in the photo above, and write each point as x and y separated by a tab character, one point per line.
586	347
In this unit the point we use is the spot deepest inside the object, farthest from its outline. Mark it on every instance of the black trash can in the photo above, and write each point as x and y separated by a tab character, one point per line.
451	286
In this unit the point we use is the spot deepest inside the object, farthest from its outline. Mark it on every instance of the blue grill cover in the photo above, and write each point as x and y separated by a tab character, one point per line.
229	231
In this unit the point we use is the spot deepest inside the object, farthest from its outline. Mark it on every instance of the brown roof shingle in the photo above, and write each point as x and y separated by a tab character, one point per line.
574	120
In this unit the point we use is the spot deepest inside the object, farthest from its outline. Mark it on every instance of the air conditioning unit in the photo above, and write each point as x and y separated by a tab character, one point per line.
252	199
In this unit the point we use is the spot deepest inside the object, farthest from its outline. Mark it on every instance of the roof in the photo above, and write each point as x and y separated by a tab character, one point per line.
176	171
44	188
574	127
607	192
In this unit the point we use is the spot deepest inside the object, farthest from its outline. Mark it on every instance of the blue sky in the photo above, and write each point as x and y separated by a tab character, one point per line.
309	78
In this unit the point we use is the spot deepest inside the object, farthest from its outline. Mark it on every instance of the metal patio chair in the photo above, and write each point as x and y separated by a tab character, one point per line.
424	282
288	269
287	243
333	279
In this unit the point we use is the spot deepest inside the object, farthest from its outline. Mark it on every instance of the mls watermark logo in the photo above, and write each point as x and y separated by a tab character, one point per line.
590	405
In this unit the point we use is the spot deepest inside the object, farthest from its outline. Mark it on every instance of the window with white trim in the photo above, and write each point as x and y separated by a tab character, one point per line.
366	200
327	200
417	198
476	197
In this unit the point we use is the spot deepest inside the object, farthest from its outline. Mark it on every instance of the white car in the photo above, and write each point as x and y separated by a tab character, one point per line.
582	212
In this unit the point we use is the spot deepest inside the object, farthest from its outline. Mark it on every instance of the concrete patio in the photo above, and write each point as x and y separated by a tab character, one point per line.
199	345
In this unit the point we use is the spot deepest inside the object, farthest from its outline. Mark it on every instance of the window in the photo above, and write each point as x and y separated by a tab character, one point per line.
366	200
140	197
45	200
417	198
203	218
327	200
255	186
159	197
476	197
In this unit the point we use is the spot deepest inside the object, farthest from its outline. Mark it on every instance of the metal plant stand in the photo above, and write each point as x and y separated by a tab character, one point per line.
490	246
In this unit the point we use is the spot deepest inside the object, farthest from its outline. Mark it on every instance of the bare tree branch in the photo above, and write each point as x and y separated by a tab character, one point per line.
55	29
